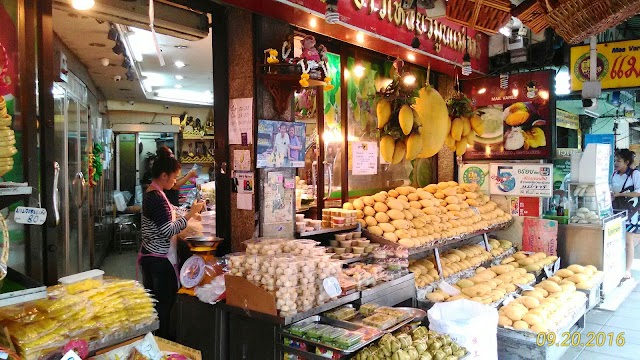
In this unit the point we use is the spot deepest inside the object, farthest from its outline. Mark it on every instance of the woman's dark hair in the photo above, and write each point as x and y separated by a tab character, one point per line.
164	151
626	155
165	163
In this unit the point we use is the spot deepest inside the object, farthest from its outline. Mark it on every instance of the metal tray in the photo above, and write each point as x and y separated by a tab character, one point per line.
337	323
439	243
416	314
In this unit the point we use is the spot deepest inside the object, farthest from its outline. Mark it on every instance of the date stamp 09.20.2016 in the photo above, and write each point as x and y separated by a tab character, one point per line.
573	339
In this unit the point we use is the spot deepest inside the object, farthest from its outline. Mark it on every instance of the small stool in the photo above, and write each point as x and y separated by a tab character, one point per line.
127	233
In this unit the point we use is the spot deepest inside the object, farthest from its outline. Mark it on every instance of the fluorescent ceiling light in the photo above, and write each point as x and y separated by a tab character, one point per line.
179	64
82	4
183	96
563	82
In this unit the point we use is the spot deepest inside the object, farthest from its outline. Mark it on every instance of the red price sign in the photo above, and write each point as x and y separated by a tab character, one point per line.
528	206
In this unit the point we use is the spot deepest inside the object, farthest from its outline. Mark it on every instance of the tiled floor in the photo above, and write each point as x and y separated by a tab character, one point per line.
121	265
626	319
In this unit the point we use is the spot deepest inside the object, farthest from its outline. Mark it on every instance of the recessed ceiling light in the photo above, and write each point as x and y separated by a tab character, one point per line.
313	22
411	57
181	47
179	77
83	4
179	64
178	86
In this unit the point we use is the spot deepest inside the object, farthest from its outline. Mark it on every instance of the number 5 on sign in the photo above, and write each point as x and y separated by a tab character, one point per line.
30	215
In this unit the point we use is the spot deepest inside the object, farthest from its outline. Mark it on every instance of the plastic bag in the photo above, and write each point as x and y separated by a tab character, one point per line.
470	324
210	293
194	228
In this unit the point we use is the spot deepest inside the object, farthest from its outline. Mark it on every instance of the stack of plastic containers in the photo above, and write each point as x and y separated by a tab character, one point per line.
208	223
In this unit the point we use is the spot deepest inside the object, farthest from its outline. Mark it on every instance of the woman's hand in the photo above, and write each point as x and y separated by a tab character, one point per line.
617	194
196	207
192	174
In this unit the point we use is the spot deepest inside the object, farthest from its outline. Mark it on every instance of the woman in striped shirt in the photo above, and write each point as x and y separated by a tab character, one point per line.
160	226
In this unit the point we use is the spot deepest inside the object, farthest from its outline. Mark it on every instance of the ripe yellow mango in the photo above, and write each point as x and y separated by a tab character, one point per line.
387	148
405	118
457	127
383	111
477	125
399	152
414	145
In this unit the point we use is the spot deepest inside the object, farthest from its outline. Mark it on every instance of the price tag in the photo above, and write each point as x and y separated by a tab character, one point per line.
30	215
71	355
547	272
525	287
450	290
332	286
556	266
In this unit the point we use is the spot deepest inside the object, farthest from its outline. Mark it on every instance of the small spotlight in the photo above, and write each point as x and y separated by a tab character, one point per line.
360	37
411	57
179	64
313	22
482	91
131	75
118	49
358	71
113	34
544	95
83	4
409	79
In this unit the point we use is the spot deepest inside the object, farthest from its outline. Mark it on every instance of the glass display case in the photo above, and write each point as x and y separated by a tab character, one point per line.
589	203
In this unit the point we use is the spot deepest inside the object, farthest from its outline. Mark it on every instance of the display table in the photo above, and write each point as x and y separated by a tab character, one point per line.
222	331
600	245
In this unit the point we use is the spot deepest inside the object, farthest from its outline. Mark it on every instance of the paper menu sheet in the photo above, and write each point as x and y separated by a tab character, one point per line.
241	121
365	158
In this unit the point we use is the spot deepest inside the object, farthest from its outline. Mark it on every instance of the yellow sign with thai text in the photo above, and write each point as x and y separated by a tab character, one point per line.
617	67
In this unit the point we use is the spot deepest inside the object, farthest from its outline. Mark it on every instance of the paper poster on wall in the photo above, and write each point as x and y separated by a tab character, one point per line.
281	144
540	235
245	201
475	174
515	121
241	160
365	158
245	182
525	206
241	121
278	201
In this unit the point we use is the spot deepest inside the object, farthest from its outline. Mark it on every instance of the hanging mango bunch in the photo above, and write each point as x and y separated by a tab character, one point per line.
412	123
465	124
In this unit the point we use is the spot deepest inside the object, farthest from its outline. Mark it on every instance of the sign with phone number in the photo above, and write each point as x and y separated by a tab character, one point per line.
534	180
